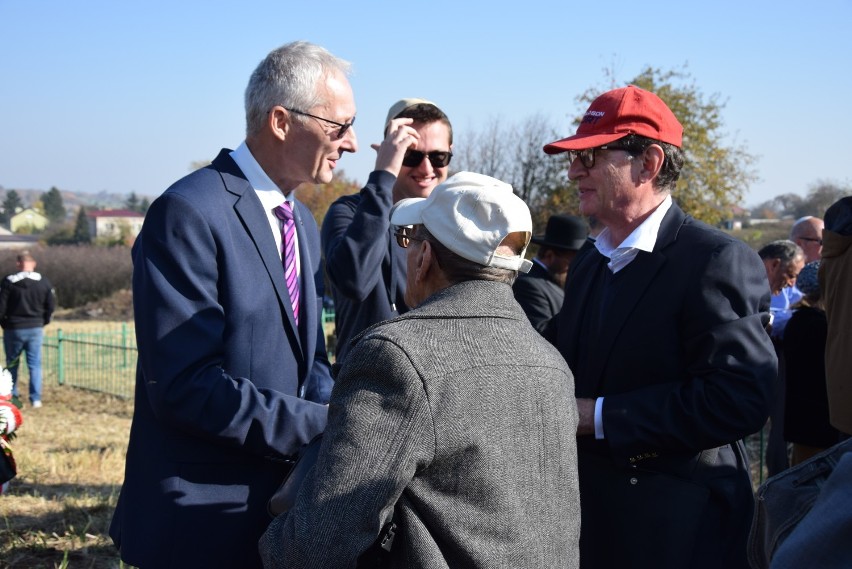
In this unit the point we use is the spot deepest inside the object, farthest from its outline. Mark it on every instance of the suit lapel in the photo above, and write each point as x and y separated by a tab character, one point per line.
250	211
308	309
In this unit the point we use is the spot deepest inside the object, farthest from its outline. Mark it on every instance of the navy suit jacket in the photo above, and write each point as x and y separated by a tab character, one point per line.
223	373
675	344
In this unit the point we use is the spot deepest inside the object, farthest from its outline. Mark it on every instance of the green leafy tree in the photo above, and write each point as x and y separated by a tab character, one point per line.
53	206
11	204
81	227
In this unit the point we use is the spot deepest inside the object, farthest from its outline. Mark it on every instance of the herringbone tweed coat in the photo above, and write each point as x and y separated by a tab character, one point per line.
461	420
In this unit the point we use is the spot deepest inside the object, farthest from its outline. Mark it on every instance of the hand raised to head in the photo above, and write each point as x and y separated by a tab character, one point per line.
401	136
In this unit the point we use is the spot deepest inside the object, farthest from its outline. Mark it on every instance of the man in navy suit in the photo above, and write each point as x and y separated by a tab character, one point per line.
233	376
663	327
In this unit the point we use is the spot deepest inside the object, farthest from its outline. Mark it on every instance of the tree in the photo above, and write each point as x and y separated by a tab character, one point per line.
144	205
716	174
11	205
820	197
318	197
132	202
53	206
81	227
513	153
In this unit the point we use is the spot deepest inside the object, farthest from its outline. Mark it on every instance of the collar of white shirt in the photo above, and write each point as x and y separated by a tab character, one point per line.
643	238
270	195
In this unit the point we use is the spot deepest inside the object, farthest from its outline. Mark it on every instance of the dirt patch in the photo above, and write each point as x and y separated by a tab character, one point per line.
116	307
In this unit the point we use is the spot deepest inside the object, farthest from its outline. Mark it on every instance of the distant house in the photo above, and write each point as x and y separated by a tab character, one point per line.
114	223
28	220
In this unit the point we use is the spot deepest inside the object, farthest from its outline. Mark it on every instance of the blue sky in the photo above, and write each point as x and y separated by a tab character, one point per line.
124	95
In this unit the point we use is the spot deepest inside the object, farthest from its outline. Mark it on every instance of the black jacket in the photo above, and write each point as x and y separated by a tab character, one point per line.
26	301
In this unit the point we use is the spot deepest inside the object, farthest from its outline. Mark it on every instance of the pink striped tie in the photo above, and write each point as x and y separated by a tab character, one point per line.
284	212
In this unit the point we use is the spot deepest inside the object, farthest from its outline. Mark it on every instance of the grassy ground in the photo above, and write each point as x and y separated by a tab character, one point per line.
70	456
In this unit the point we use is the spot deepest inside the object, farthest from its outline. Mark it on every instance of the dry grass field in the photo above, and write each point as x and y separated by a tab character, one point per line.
70	456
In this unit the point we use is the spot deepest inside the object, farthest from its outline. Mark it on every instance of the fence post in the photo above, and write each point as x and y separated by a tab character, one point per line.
60	366
124	344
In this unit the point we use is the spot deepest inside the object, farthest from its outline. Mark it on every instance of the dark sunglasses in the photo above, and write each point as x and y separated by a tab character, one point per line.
344	126
405	235
587	156
438	159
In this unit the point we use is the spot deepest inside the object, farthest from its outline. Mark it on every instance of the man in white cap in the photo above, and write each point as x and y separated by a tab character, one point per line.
456	420
366	271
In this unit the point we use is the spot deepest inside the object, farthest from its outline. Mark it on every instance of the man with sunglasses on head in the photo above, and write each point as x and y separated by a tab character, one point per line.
663	327
366	271
233	375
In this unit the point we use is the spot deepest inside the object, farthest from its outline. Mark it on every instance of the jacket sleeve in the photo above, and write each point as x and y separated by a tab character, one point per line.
726	360
49	302
534	302
355	240
4	298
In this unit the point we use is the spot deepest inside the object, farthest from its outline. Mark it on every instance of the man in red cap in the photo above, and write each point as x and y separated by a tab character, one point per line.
662	326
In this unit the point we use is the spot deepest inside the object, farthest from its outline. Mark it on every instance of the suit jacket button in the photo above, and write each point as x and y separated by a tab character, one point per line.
634	480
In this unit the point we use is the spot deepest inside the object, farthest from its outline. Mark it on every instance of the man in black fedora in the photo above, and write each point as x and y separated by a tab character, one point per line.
541	291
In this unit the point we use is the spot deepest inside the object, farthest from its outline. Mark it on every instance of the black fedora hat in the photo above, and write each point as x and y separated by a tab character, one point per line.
563	232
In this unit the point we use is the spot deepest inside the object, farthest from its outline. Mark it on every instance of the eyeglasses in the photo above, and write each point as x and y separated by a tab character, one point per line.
344	126
587	156
405	235
438	159
811	239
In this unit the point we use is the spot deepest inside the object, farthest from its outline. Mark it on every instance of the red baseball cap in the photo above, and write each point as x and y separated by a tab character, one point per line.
617	113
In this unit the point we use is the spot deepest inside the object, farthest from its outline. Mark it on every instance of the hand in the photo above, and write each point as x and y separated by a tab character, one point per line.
401	136
586	417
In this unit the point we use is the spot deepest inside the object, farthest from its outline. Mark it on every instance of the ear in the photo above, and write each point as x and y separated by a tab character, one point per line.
424	262
652	162
278	121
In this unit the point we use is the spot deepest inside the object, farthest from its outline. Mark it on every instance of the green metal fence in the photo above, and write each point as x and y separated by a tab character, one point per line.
101	361
105	361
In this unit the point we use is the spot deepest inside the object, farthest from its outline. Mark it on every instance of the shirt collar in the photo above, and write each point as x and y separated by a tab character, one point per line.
642	238
269	193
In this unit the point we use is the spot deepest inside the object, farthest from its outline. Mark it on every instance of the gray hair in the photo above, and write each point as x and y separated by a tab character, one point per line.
289	76
783	249
458	269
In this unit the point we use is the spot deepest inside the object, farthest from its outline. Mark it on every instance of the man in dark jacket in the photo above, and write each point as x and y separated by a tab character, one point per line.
366	270
663	328
26	305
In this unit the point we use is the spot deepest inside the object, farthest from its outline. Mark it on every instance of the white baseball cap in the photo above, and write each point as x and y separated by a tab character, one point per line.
471	214
403	104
